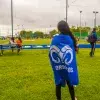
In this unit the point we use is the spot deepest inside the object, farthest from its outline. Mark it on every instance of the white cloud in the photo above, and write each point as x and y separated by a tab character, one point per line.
43	13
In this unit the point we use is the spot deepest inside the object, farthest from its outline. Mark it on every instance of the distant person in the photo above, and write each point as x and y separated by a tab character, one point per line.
63	60
1	47
78	39
12	43
19	44
92	38
77	44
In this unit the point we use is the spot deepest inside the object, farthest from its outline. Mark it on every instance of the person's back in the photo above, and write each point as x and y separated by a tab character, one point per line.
63	60
92	39
63	46
94	36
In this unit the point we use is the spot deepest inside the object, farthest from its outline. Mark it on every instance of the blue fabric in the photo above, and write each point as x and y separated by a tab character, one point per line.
63	60
94	35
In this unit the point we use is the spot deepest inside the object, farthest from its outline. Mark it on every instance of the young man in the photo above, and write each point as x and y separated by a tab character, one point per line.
92	39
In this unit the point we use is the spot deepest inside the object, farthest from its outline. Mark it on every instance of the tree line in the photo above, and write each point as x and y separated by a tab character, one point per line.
37	34
75	30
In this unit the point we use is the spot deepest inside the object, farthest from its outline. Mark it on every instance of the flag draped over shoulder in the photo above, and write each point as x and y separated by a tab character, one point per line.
63	60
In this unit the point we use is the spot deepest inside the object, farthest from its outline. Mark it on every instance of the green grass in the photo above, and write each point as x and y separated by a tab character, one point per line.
35	41
39	41
29	76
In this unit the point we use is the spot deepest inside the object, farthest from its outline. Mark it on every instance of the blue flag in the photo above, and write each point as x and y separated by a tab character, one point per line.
63	60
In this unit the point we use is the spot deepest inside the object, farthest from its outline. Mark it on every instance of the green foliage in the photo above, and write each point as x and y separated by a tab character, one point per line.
26	34
29	34
53	32
74	29
84	31
23	33
77	29
38	34
98	31
46	35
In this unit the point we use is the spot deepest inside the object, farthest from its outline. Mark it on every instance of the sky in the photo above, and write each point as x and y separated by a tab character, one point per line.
43	14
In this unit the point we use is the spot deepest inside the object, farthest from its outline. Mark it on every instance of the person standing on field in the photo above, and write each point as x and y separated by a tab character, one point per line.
92	38
62	56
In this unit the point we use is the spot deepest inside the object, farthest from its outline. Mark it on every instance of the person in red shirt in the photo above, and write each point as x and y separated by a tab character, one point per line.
19	44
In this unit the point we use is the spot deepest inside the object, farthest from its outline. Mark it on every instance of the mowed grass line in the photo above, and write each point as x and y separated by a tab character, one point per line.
29	76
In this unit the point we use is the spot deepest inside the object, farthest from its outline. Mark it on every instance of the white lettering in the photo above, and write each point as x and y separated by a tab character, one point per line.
62	67
70	70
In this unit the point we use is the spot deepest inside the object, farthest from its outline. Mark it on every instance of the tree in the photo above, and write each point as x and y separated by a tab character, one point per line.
23	33
29	34
39	34
46	36
53	32
73	29
26	34
98	30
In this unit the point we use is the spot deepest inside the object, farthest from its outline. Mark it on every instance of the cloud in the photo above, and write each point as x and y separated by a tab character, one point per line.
43	13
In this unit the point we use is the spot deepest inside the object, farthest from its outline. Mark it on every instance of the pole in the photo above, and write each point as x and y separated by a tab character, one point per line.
95	19
80	23
66	10
12	17
85	24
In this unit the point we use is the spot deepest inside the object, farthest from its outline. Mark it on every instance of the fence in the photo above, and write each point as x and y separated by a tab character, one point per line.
27	47
83	34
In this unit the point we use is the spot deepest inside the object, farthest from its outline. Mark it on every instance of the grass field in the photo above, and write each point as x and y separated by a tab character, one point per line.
39	41
29	76
35	41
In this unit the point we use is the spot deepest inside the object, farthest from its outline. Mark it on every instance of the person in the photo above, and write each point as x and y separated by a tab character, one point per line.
62	56
77	44
92	38
1	47
19	44
12	43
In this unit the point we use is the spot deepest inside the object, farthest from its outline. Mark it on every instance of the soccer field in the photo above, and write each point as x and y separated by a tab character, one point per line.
29	76
39	41
33	41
